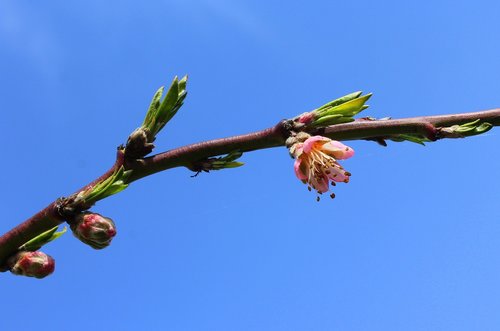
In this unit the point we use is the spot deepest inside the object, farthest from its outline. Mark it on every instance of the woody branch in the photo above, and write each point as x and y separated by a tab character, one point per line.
431	128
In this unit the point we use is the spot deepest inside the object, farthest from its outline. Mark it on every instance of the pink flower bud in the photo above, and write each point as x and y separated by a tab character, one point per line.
93	229
32	264
307	118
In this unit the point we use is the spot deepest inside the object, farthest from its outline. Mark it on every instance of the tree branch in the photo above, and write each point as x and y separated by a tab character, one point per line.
360	129
426	126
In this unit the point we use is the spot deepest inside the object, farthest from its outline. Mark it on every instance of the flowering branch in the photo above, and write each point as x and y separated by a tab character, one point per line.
43	221
427	126
131	163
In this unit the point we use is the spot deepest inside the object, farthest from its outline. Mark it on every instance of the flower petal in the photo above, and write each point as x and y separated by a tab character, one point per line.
320	184
338	150
309	144
337	175
298	171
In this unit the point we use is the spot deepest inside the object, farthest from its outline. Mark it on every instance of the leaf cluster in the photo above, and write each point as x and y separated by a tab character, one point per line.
161	111
341	110
115	183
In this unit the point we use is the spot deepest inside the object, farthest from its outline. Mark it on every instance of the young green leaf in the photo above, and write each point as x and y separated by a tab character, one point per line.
153	109
351	107
42	239
341	100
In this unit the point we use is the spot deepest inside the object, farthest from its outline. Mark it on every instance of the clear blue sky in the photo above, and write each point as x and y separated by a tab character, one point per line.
411	243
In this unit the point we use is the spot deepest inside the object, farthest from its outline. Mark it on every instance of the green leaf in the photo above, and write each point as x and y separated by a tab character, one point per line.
233	164
232	156
351	107
341	100
161	111
340	110
472	128
484	127
182	85
466	130
113	189
99	189
153	109
413	139
329	119
171	97
167	105
219	163
111	185
42	239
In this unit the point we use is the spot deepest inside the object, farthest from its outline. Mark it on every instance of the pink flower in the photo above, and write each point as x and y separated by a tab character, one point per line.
316	162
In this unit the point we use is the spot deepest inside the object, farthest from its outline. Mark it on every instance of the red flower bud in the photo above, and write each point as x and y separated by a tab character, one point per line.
93	229
32	264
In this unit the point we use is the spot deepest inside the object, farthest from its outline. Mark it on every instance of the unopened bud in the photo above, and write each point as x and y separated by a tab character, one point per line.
139	144
93	229
32	264
307	118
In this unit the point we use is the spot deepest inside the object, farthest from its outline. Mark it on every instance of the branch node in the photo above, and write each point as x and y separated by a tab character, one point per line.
69	207
287	128
430	131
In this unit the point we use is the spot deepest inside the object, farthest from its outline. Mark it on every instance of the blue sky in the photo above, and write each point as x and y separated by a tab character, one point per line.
411	243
